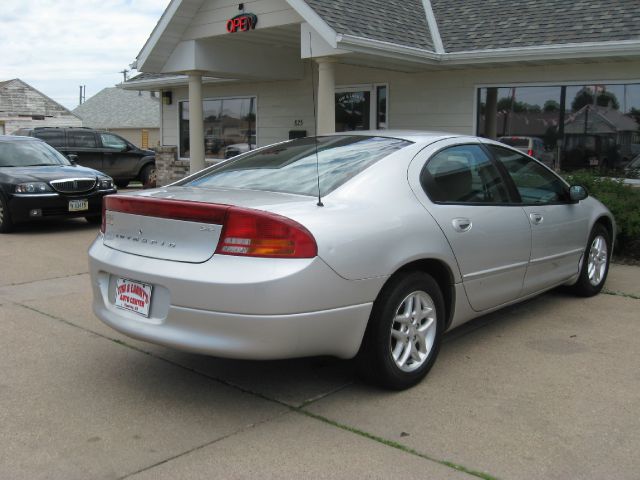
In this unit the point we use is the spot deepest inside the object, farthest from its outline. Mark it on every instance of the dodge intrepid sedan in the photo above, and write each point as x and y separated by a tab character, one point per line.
367	245
36	181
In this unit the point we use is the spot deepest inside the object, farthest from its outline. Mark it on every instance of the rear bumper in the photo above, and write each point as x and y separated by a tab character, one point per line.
336	332
237	307
53	205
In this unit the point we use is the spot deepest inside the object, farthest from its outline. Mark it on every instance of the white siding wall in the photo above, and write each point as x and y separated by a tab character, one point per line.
443	100
280	104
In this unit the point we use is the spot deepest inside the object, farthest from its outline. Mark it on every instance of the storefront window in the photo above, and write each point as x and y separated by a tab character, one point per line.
229	127
567	127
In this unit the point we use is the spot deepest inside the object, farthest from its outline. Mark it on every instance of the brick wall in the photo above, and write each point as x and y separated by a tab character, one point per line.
169	168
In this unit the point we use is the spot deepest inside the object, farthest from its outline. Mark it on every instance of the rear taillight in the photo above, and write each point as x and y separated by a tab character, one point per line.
530	152
255	233
245	232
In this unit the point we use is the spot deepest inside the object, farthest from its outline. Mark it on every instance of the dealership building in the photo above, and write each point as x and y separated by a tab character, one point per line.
234	76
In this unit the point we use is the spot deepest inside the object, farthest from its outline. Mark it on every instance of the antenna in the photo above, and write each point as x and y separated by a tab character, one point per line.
315	122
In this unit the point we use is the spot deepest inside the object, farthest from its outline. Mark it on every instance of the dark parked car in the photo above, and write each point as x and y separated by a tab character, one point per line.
103	151
36	181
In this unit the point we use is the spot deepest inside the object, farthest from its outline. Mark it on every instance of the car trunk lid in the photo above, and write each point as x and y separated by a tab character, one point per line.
185	224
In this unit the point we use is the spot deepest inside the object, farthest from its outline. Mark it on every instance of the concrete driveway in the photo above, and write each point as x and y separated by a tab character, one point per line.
546	389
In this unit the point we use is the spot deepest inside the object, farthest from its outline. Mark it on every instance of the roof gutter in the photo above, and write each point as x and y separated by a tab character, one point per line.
169	81
566	51
387	49
624	48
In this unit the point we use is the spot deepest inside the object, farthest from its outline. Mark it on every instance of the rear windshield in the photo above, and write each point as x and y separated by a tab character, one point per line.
515	141
291	167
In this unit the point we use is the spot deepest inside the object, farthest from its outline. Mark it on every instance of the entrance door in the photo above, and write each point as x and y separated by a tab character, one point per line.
362	107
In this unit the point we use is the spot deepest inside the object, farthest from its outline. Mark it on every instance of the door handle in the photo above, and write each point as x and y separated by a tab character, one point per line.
461	224
536	218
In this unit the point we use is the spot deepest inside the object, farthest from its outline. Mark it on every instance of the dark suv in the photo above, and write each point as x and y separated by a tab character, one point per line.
103	151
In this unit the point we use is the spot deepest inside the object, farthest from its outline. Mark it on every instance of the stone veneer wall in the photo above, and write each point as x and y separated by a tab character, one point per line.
169	168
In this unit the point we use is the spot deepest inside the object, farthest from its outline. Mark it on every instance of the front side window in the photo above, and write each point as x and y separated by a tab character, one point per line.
81	139
463	174
535	184
227	121
111	141
294	167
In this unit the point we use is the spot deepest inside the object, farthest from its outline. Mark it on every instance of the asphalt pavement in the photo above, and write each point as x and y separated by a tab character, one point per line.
548	389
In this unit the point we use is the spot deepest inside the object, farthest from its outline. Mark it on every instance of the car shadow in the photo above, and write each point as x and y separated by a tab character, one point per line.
54	225
298	382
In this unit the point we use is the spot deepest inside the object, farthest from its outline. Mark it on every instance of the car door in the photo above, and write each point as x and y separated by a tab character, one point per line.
558	225
82	143
120	159
462	188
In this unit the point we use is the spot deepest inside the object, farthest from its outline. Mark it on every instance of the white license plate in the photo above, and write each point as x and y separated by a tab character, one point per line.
133	296
78	205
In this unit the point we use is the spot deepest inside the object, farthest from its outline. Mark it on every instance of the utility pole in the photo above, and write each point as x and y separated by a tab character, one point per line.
124	74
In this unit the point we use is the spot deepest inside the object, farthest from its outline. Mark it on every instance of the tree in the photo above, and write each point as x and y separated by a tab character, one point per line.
551	106
585	97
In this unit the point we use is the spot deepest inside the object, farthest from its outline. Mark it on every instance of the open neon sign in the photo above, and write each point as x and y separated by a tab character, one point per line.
242	23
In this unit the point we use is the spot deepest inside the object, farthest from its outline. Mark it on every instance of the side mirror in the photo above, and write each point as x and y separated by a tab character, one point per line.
73	158
577	193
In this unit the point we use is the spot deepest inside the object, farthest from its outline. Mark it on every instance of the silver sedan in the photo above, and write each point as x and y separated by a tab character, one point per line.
367	245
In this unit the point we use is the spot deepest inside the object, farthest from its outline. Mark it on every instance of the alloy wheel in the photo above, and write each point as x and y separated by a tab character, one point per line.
413	331
598	259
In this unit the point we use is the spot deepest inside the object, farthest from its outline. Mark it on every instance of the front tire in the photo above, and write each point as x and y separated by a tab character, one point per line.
148	176
6	225
403	336
595	264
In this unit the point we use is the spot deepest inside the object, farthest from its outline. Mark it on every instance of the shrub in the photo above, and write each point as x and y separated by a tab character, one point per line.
623	201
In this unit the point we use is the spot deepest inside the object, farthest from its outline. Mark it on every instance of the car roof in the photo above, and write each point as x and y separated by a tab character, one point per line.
417	136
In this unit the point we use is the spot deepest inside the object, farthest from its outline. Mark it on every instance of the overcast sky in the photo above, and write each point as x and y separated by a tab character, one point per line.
57	45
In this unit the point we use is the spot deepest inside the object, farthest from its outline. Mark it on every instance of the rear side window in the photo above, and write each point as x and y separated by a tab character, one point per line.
290	167
535	184
55	138
81	139
463	174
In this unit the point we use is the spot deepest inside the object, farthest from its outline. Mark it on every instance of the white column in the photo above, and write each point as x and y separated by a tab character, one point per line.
326	96
196	123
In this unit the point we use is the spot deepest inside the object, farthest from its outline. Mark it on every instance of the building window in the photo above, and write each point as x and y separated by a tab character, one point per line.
229	126
566	126
361	108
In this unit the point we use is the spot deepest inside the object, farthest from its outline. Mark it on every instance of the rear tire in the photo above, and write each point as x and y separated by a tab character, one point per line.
121	183
595	264
6	225
403	336
94	220
148	176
